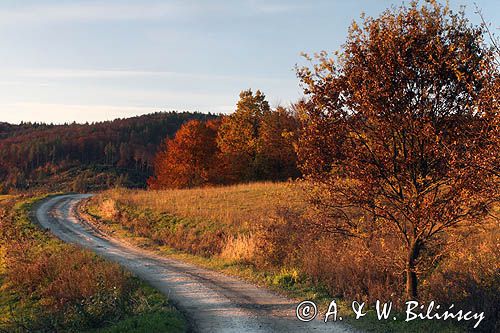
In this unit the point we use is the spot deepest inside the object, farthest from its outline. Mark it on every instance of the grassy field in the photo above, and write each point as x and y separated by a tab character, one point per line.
208	221
254	231
237	206
47	285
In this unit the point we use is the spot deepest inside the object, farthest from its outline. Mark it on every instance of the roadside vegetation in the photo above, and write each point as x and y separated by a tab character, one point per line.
259	232
49	286
204	221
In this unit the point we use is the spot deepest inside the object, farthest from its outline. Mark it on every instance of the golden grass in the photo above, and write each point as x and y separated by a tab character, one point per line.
240	249
2	260
239	205
108	209
278	253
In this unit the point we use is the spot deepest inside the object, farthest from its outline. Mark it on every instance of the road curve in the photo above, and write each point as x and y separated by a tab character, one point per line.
211	301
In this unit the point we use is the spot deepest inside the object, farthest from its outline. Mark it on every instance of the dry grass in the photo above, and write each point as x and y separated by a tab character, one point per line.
49	286
209	221
240	205
240	248
108	209
6	197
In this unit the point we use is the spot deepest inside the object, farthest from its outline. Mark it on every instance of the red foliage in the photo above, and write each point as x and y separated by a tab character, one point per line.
189	159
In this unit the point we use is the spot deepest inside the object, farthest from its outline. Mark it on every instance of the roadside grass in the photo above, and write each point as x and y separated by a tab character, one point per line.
290	283
212	218
146	323
153	314
206	221
47	285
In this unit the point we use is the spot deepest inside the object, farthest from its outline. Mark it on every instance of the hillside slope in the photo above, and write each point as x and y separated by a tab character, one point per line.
84	156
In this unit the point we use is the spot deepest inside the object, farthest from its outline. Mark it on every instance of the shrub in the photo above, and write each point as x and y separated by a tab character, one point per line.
240	248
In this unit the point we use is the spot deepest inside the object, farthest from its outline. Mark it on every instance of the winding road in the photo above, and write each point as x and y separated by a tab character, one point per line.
211	301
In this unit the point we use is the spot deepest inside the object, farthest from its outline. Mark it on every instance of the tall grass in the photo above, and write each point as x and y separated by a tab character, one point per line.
207	221
237	205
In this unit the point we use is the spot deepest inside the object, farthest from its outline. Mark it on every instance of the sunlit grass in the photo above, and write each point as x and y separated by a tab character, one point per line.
239	205
6	197
140	215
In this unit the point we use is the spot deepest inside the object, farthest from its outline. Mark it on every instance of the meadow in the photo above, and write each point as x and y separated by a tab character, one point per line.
391	152
205	221
260	231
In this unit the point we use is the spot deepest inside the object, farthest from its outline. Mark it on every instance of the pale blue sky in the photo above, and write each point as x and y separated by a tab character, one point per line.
65	60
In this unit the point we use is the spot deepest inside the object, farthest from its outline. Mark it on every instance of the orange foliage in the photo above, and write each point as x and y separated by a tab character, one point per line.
254	143
189	159
402	138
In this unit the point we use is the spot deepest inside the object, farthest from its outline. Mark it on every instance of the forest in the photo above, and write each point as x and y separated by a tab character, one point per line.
162	150
81	157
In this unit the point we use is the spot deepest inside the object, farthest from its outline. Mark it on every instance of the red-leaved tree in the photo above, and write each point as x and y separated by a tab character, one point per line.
400	131
189	159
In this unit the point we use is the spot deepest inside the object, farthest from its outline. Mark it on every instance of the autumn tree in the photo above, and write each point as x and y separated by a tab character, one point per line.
189	159
491	100
239	134
256	142
395	128
276	155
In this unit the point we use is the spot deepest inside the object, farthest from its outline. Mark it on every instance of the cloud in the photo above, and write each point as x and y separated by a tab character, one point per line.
75	73
23	83
88	11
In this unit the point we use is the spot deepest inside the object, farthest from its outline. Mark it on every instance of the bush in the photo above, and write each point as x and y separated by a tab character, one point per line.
470	278
72	285
348	268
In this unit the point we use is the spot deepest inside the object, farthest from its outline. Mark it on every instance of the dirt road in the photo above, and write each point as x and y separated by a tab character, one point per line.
211	301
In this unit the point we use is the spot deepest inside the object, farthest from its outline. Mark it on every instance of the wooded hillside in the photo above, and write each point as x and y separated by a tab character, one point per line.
77	156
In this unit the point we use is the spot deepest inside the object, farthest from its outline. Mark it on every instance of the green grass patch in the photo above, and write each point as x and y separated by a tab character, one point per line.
152	314
160	321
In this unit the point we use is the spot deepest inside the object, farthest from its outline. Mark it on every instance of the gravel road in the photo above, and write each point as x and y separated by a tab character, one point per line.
211	301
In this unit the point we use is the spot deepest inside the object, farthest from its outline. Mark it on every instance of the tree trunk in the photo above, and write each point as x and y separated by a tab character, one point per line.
411	276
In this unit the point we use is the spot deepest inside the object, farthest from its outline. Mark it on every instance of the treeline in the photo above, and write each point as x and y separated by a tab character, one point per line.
164	150
78	156
253	143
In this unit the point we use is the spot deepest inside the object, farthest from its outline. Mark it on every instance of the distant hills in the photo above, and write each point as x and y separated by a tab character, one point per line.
83	157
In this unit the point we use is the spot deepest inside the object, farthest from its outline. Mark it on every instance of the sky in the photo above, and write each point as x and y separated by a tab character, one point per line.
64	61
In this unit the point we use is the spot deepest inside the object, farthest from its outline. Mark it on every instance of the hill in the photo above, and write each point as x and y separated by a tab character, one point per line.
85	156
